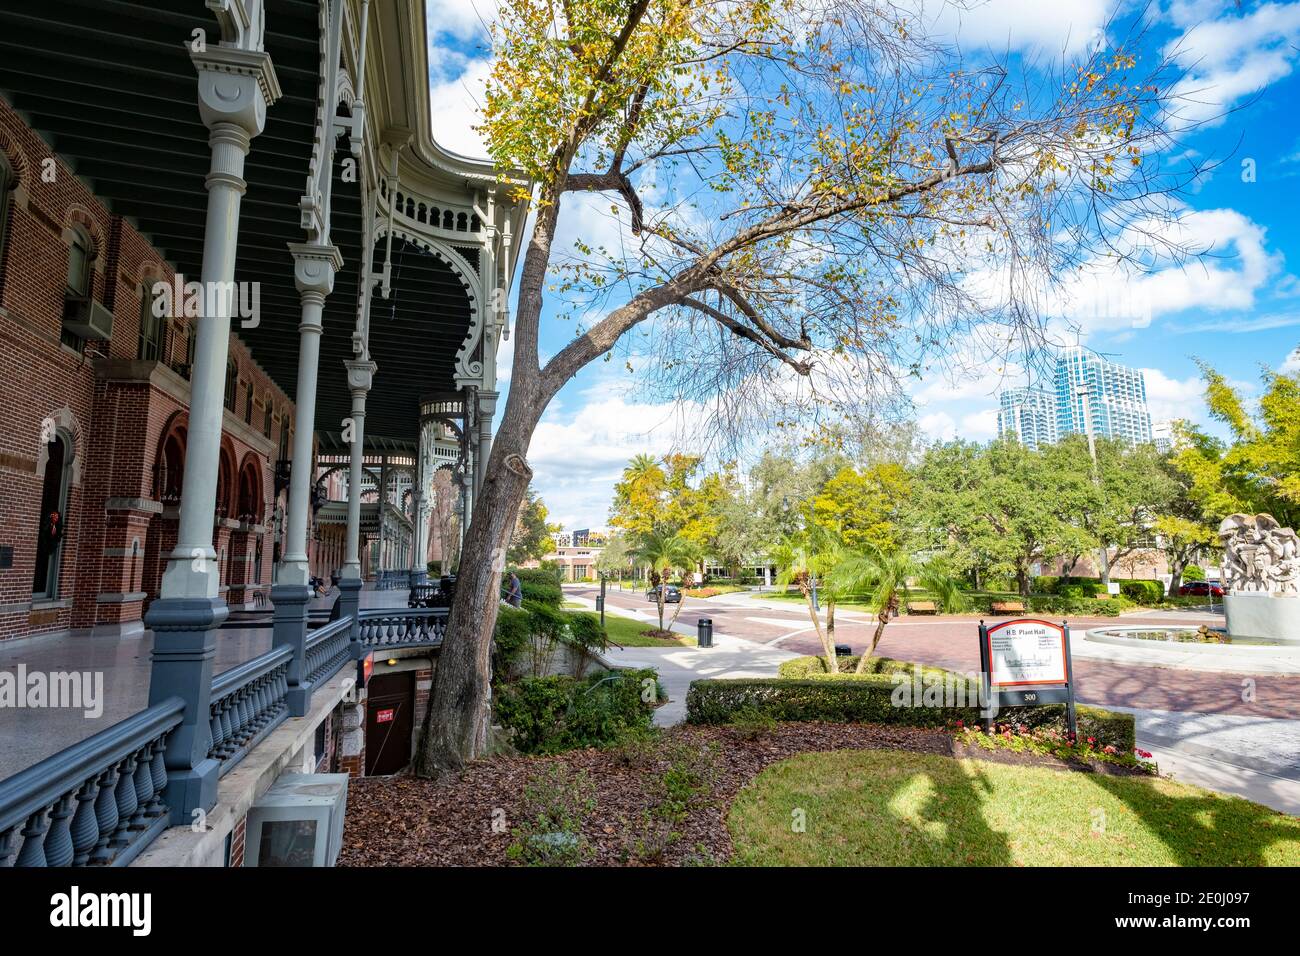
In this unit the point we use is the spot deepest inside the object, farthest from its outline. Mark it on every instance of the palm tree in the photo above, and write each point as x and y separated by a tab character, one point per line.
803	559
884	577
663	552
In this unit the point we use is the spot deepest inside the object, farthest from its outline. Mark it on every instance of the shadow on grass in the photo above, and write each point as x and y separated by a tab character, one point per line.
1206	829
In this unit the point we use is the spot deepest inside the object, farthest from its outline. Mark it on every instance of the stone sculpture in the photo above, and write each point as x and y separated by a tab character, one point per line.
1260	556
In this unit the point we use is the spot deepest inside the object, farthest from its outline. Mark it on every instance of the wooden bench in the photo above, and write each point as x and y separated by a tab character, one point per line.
922	607
1008	607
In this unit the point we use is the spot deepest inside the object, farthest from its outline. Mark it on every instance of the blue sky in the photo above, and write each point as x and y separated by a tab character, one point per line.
1238	308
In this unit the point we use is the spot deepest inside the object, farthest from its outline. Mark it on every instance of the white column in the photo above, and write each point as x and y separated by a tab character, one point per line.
313	273
360	376
487	407
235	88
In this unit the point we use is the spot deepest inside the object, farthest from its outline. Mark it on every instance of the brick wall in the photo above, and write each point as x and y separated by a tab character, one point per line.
113	408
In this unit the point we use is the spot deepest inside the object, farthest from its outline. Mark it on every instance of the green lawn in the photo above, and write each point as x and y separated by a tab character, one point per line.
885	807
625	631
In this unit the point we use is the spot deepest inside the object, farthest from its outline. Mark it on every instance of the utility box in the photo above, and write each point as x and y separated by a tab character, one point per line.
298	822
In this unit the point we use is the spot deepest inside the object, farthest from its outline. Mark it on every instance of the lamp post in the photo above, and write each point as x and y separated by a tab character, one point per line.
1084	391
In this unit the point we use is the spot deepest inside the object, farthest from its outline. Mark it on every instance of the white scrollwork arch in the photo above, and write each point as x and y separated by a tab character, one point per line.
468	366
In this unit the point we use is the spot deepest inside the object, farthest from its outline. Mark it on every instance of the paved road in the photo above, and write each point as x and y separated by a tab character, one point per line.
949	641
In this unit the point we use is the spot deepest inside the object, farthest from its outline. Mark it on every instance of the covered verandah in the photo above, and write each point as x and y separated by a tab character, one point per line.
279	146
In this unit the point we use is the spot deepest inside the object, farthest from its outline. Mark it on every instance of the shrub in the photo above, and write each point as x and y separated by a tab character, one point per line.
553	714
1143	591
1068	604
1045	584
547	626
750	723
539	585
1193	572
869	699
510	637
801	667
586	634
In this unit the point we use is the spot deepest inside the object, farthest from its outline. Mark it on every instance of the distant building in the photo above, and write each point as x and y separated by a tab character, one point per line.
1116	397
1030	415
1087	391
1162	436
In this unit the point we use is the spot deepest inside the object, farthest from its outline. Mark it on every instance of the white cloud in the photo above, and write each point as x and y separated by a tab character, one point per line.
577	457
1048	26
455	109
462	19
1231	57
1171	398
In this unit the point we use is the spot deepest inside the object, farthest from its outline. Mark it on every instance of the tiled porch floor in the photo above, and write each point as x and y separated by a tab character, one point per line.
30	735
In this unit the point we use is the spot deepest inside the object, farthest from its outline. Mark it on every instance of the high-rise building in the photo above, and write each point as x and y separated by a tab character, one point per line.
1029	414
1116	397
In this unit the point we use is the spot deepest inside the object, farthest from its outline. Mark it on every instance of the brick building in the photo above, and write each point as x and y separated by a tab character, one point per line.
95	429
277	156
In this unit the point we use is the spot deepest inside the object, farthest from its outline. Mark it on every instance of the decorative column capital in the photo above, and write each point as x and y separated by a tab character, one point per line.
235	86
314	267
361	374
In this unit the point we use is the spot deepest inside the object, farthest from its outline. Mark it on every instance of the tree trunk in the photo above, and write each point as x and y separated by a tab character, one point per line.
1022	581
458	721
828	650
882	618
1176	568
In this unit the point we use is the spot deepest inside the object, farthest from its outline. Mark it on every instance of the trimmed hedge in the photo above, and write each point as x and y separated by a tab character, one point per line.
539	585
547	715
868	698
815	667
1143	591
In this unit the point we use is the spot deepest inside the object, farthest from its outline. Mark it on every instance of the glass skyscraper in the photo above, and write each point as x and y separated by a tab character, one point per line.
1116	398
1029	414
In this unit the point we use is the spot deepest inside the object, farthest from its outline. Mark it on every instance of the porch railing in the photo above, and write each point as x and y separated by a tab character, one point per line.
248	702
328	649
97	803
382	628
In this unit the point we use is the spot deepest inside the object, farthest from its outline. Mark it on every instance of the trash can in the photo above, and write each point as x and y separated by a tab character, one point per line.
704	631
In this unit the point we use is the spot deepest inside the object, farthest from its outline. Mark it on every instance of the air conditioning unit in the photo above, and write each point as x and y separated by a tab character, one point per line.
87	319
298	822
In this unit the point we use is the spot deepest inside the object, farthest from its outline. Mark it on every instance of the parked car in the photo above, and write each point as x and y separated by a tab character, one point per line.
671	596
1200	589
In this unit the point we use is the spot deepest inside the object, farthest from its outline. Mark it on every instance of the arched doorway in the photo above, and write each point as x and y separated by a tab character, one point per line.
54	505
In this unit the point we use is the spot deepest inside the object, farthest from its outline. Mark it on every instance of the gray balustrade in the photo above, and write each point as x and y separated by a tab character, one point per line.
328	649
395	627
99	802
248	702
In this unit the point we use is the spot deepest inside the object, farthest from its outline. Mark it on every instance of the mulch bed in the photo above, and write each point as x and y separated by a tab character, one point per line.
406	821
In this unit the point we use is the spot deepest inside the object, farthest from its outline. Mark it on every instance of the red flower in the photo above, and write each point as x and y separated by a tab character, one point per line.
961	723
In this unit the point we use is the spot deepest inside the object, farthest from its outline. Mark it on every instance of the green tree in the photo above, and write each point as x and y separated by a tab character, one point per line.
664	552
884	576
862	507
532	539
807	162
1260	470
1003	508
804	559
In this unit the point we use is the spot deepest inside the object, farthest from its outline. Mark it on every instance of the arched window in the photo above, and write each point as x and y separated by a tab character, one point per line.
54	504
81	255
266	419
79	260
248	402
7	183
232	380
151	326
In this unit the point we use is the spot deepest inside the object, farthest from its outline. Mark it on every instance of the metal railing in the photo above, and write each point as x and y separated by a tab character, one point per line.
248	702
97	803
396	627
